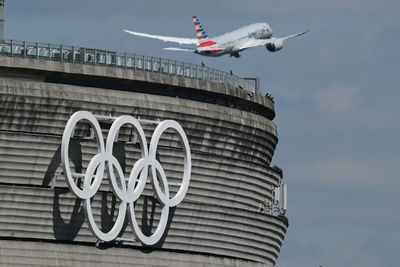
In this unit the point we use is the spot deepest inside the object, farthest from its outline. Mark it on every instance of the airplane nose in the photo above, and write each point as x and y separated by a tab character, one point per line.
197	51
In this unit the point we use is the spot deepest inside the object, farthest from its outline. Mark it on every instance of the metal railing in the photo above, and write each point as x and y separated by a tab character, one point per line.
98	57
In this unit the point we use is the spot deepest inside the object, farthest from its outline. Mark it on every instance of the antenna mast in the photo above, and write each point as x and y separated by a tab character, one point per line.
2	6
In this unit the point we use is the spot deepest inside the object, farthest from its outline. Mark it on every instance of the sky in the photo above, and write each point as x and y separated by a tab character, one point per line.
336	93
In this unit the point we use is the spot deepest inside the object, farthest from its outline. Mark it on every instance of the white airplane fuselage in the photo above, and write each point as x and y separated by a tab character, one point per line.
230	43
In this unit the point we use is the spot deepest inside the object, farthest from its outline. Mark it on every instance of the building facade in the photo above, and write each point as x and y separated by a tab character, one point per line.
226	217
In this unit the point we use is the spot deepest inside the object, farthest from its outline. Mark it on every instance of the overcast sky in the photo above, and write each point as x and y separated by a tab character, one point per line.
337	97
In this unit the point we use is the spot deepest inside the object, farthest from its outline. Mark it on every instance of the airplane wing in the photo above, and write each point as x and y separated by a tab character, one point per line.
261	42
294	35
165	38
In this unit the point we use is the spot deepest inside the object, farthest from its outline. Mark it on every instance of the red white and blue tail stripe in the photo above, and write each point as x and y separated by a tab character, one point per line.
202	36
201	33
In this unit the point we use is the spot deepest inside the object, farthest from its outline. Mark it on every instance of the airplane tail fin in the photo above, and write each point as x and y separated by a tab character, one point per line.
201	33
202	36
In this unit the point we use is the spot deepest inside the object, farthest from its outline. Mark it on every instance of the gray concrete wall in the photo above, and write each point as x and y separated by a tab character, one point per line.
48	254
218	221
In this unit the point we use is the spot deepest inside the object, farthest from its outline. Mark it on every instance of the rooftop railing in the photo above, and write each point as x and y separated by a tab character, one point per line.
91	56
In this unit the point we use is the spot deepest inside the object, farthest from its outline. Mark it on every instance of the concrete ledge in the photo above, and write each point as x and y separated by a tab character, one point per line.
43	68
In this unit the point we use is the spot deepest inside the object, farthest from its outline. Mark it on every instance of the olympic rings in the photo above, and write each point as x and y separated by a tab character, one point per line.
126	192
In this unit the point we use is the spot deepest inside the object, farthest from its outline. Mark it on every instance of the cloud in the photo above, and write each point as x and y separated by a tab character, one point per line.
341	101
343	173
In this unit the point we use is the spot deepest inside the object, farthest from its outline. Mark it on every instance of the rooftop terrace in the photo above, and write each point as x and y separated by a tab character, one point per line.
91	56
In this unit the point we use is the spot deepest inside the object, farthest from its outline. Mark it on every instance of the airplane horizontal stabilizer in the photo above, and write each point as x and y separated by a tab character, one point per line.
179	49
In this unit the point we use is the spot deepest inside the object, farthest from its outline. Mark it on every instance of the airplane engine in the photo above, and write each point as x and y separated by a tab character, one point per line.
275	45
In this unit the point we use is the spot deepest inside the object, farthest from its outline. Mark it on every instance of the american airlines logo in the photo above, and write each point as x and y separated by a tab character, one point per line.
126	189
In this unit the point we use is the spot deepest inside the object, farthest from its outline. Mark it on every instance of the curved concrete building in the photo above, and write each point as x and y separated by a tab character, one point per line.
226	217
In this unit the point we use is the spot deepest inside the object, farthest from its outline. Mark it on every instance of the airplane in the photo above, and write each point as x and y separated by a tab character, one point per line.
231	43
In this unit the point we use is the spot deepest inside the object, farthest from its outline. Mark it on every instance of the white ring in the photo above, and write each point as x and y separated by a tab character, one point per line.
161	128
116	229
112	136
68	131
